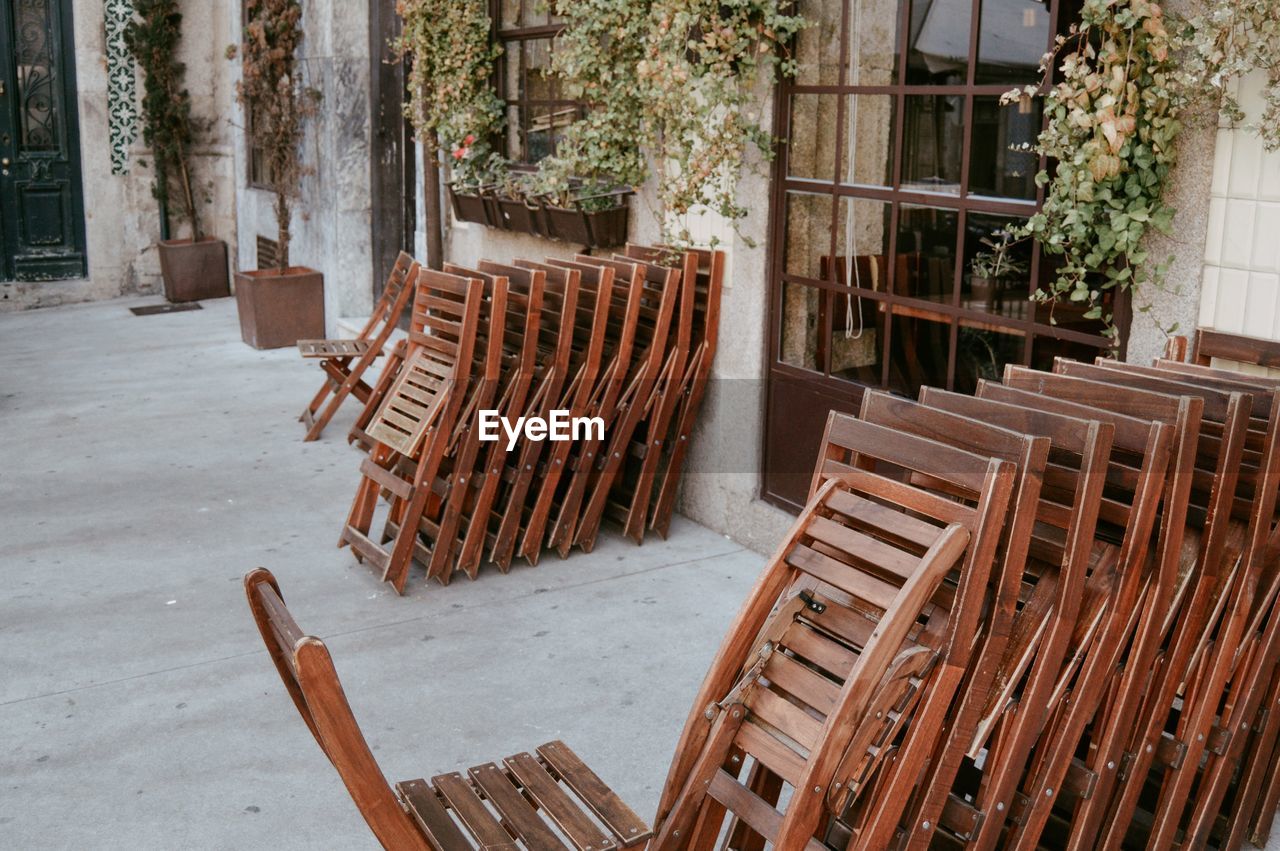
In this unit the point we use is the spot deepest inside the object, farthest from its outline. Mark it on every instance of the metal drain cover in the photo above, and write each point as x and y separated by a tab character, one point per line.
154	309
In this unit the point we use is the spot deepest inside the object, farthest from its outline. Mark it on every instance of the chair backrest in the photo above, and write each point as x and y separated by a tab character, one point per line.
1208	345
442	340
307	671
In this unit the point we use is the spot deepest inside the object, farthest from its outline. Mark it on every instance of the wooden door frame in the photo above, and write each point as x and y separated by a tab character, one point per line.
392	154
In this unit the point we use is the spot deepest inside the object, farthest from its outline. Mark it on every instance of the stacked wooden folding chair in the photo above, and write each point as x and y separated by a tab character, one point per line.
345	362
692	388
1036	601
859	629
1191	659
649	292
416	420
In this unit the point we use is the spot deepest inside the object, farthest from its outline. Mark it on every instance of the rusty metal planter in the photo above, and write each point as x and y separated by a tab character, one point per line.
473	207
280	307
193	271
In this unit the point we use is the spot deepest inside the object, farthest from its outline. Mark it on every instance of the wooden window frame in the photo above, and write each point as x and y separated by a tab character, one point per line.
840	392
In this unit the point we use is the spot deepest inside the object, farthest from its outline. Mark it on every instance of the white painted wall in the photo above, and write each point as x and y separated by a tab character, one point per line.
1241	288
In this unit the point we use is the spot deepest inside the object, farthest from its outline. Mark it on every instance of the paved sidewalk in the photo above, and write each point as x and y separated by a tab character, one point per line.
148	463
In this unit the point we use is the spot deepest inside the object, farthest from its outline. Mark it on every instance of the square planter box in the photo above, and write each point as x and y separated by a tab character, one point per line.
280	307
473	208
516	215
193	271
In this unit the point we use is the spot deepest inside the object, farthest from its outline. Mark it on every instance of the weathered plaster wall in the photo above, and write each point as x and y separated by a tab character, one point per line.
332	219
121	216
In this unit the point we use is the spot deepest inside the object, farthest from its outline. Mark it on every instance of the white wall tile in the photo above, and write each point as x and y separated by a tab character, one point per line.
1208	297
1246	165
1233	291
1260	304
1213	239
1266	238
1237	233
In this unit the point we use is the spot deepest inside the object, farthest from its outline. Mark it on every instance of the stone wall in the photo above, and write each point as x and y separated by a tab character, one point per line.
332	219
121	217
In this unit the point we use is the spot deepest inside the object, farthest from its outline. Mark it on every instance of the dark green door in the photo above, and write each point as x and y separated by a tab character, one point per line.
41	203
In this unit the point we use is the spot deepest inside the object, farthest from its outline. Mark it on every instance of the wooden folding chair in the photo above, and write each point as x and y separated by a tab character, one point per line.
1036	607
693	386
634	483
345	362
510	358
1115	604
524	529
642	395
1191	656
626	283
416	419
546	799
1241	642
1209	346
1164	582
506	477
841	642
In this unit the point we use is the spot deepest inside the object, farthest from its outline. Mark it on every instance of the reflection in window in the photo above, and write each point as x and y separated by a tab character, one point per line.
1001	164
867	158
939	52
926	258
918	354
982	351
876	32
817	47
997	276
1012	41
933	143
808	233
537	110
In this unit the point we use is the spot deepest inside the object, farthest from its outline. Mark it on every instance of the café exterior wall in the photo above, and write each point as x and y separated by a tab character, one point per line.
332	219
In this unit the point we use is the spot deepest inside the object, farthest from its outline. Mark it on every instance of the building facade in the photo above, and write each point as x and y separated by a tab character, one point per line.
856	267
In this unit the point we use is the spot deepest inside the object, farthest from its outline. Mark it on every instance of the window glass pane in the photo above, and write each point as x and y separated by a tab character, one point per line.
536	70
808	237
996	275
1013	38
876	26
939	53
982	350
1001	164
933	147
541	139
926	261
857	335
37	96
867	158
918	354
811	140
800	326
515	135
1045	349
510	13
817	48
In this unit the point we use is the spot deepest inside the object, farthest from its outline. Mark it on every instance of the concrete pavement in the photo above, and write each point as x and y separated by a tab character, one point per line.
148	463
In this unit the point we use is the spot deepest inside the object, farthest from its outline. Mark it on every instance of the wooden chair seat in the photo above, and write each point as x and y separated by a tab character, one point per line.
333	348
549	800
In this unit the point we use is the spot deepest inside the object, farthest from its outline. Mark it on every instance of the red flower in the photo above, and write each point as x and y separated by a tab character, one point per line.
459	153
469	140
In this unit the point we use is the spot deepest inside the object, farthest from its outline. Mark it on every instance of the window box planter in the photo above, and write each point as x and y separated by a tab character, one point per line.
279	307
596	221
518	216
193	271
473	206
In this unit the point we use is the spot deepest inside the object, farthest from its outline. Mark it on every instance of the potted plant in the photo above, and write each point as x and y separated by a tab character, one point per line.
475	170
989	270
193	266
593	214
515	211
285	304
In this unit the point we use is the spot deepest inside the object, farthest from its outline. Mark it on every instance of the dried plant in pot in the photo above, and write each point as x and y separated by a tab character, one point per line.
280	305
194	266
